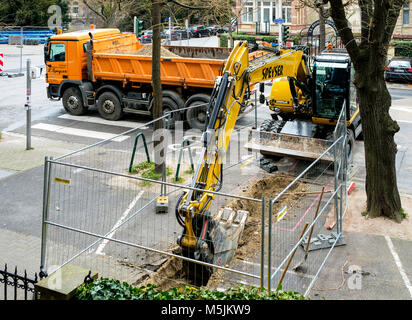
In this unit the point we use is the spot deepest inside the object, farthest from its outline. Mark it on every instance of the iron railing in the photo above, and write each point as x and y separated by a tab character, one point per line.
21	287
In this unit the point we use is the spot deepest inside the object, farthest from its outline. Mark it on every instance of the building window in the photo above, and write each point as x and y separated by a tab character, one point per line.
287	11
274	11
75	8
406	14
248	12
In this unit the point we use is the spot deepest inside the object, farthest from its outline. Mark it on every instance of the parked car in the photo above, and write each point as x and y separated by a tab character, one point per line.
146	37
177	33
399	68
200	31
226	28
215	29
173	31
184	34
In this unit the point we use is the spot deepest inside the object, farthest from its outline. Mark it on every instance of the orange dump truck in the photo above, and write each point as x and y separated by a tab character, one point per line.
112	71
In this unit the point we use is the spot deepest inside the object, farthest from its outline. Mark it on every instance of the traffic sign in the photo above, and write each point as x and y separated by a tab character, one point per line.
279	21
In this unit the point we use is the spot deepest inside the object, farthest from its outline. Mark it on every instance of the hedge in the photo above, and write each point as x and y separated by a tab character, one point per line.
251	38
107	289
403	48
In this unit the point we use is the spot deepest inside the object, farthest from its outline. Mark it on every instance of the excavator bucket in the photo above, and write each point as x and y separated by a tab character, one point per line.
295	146
229	226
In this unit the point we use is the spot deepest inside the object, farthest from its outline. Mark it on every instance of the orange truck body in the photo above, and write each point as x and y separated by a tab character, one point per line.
100	67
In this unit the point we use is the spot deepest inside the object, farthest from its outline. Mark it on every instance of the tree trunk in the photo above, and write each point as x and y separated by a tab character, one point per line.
156	82
322	31
378	132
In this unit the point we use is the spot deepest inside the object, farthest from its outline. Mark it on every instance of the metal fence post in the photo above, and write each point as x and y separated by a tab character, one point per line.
262	245
270	246
335	175
46	201
28	107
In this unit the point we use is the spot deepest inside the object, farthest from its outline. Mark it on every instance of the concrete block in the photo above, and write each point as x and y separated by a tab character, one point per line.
62	284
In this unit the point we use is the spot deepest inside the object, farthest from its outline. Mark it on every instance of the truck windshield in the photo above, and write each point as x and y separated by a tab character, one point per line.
57	52
330	92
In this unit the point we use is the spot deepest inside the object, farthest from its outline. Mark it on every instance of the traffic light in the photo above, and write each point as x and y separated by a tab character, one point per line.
285	32
139	28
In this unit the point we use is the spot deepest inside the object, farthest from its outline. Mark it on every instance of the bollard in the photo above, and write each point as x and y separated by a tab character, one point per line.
1	62
28	107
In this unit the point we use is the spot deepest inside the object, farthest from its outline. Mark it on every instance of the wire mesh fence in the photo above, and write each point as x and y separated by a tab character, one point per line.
305	228
100	206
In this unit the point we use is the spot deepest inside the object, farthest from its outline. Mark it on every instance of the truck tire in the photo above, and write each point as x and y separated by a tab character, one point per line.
197	117
109	106
168	105
73	101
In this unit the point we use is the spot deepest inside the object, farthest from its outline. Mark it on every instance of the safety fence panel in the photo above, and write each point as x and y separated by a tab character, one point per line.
304	229
100	206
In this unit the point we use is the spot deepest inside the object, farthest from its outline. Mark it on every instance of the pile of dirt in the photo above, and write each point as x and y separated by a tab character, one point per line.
268	187
146	51
171	274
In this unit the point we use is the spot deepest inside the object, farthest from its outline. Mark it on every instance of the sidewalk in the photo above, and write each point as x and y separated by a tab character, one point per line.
20	191
376	262
15	158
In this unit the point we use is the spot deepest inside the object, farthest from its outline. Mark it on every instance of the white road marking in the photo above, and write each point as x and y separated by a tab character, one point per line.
399	265
79	132
405	121
401	108
127	124
124	215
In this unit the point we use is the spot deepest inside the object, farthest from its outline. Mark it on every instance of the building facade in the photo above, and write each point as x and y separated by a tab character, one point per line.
258	16
81	16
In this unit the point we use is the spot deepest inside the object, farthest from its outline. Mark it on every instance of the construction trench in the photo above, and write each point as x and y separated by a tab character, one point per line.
104	219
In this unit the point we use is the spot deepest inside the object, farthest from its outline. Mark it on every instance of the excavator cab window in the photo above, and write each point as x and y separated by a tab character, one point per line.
331	88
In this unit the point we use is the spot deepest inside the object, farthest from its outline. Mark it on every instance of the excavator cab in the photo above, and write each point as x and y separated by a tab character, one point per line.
332	78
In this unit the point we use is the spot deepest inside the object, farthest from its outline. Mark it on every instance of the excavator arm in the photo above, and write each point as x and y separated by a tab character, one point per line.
199	239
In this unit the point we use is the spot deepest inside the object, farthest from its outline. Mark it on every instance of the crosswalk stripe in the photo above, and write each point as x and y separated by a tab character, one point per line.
127	124
78	132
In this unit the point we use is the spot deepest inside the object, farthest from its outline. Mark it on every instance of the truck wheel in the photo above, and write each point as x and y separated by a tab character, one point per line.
168	105
73	101
197	117
109	106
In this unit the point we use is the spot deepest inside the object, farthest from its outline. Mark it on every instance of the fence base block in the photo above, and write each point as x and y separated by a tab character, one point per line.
322	241
62	284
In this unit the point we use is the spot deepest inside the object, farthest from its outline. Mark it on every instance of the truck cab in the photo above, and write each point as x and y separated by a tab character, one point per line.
66	67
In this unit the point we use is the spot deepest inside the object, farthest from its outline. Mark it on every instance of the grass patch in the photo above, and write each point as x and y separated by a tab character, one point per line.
364	213
404	214
179	180
189	171
142	166
147	171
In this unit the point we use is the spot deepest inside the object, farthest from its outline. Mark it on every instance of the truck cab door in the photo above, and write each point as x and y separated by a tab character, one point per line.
56	62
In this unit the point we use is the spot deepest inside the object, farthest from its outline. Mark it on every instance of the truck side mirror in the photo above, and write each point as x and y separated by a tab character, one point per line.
262	87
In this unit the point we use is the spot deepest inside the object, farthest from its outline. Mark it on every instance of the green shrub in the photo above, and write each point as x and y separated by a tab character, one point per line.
269	38
106	289
403	48
223	40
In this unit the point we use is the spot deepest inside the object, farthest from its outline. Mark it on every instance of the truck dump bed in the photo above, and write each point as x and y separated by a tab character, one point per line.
122	58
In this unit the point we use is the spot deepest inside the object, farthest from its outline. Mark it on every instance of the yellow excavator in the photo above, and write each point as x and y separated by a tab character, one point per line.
213	237
307	105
